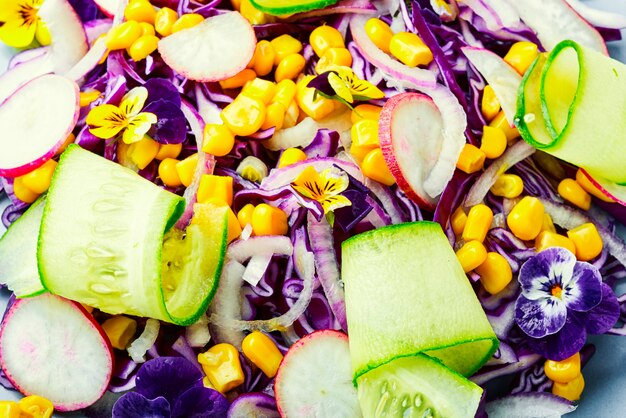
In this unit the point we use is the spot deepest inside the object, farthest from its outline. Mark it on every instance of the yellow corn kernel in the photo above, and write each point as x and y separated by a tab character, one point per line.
548	239
88	97
332	57
88	308
169	151
292	114
500	122
218	140
244	116
268	220
291	156
493	142
458	220
123	36
590	188
571	191
495	273
571	390
563	371
143	47
238	80
285	45
587	241
9	409
365	111
39	179
186	169
140	11
526	218
313	105
489	105
471	255
146	29
143	151
186	21
289	67
215	187
164	21
262	352
285	93
263	58
236	4
471	159
234	229
34	406
409	49
264	90
521	56
244	216
508	185
252	14
120	329
375	167
478	223
324	37
22	192
548	225
253	169
222	366
380	33
364	135
69	140
275	116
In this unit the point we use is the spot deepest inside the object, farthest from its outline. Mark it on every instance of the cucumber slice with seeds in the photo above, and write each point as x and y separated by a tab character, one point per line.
287	7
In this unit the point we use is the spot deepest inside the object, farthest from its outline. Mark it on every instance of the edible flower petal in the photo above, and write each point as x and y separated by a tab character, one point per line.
168	377
200	402
341	83
19	22
134	405
324	187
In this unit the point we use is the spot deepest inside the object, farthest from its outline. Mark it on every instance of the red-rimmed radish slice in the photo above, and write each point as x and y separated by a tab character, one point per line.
108	7
35	122
219	47
598	18
315	378
22	73
613	190
51	347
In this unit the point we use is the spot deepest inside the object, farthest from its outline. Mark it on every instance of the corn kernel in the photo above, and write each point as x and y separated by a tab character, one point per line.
324	37
364	135
236	4
39	179
252	14
143	151
493	142
285	93
591	188
508	185
478	223
315	106
120	329
264	90
238	80
526	218
458	220
123	36
268	220
521	56
471	255
285	45
234	229
275	116
9	409
587	241
380	33
88	97
548	225
186	169
222	366
253	169
244	116
332	57
471	159
244	216
289	67
263	58
292	115
495	273
22	192
143	47
375	167
489	105
140	11
571	191
169	151
409	49
571	390
563	371
215	187
34	406
500	122
548	239
218	140
164	21
186	21
147	29
365	111
69	140
262	352
291	156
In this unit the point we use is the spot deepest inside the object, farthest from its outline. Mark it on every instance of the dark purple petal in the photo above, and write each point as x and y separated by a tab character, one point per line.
86	9
584	290
604	316
171	126
162	89
547	269
565	343
167	377
200	402
134	405
321	84
539	318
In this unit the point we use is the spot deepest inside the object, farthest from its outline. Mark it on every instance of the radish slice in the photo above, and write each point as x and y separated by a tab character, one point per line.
530	404
23	73
27	55
613	190
108	7
219	47
51	347
315	378
27	145
598	18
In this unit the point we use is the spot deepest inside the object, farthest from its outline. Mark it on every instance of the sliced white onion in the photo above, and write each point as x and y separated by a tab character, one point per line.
256	268
197	335
142	344
599	18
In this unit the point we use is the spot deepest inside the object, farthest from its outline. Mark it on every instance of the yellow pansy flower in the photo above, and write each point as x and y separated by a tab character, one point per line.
20	23
350	87
324	187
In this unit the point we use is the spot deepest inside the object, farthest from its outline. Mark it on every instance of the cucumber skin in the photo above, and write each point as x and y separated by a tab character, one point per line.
263	6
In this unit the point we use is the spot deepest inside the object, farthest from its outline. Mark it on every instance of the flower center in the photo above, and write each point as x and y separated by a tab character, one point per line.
28	14
556	291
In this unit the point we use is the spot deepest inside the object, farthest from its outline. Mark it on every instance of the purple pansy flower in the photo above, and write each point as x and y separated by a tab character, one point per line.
164	101
562	300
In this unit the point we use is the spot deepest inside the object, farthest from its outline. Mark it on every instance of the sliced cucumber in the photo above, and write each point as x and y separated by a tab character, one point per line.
18	253
287	7
406	293
417	387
